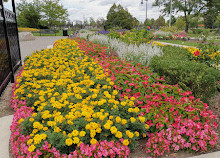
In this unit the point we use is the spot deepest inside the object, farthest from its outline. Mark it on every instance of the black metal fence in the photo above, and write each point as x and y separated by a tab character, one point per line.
10	57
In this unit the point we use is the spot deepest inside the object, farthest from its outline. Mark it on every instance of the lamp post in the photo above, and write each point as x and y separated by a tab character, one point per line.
142	2
171	3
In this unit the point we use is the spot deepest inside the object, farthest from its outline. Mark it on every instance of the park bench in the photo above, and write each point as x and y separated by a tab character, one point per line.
47	31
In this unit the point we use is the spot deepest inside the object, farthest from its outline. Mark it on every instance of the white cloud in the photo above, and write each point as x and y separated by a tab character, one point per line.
83	9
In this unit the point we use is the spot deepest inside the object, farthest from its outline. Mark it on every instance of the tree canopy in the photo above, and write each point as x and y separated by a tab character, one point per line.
28	14
41	12
187	7
120	17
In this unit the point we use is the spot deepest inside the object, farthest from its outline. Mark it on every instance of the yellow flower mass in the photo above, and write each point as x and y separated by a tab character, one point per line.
73	99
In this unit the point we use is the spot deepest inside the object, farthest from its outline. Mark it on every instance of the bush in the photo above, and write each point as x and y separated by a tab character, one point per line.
196	31
189	75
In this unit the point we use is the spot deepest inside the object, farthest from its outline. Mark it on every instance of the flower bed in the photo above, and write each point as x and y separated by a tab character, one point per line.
177	120
61	93
65	105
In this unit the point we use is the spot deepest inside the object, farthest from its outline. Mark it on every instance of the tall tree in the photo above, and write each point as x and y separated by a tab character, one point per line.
160	21
210	15
120	17
187	7
100	22
53	12
28	14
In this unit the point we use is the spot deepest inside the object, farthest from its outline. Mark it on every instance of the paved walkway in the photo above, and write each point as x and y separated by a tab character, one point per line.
172	44
5	123
210	155
41	42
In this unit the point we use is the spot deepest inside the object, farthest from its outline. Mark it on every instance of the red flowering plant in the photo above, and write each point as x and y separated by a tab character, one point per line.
177	120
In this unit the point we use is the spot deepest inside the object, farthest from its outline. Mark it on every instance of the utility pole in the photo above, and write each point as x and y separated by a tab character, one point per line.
142	2
171	5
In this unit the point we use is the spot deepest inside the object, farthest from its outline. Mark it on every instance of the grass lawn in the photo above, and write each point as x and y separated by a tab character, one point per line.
60	33
183	43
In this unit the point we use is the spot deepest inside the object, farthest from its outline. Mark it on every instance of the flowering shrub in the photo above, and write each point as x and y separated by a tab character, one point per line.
180	35
177	120
64	102
134	37
208	54
172	29
103	32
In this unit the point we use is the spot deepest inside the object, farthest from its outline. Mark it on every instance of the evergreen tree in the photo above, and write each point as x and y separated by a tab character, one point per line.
120	17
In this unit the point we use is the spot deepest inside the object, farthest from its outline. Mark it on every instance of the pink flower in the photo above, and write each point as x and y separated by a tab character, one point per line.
215	124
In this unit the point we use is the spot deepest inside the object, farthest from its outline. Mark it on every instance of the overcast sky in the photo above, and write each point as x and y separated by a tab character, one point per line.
83	9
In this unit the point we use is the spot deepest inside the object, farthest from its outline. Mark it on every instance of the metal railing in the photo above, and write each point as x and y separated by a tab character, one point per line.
10	56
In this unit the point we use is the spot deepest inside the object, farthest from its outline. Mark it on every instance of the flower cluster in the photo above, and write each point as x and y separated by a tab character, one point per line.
71	100
177	120
210	56
132	37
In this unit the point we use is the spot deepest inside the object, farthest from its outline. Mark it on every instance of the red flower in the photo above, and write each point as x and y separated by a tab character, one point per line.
215	124
196	53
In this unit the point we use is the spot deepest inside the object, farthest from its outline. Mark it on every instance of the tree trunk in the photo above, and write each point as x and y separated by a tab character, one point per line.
187	22
187	26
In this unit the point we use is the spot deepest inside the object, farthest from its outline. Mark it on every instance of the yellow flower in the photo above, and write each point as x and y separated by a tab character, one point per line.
142	119
111	117
118	119
76	140
123	121
31	148
107	126
21	120
123	103
132	119
75	133
136	109
82	133
115	92
126	142
118	134
147	126
113	130
69	141
137	133
130	110
93	141
29	141
132	98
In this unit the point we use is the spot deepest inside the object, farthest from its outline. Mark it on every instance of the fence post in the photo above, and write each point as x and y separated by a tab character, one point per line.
19	50
7	42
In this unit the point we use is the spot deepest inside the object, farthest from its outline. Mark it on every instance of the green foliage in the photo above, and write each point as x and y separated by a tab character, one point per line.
53	12
120	17
28	14
180	24
134	37
39	12
160	21
189	75
186	7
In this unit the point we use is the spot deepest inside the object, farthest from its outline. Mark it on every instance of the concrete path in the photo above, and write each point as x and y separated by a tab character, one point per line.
5	123
171	44
41	42
210	155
